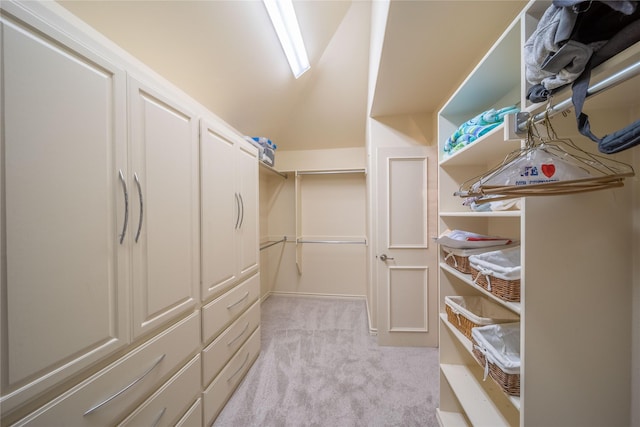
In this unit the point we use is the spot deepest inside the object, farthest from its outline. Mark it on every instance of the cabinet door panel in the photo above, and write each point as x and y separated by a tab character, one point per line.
164	207
220	212
64	295
248	230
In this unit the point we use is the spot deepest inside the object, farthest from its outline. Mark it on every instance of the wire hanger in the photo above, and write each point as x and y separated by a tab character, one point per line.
547	165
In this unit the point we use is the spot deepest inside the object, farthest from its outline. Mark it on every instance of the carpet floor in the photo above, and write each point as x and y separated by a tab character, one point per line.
319	366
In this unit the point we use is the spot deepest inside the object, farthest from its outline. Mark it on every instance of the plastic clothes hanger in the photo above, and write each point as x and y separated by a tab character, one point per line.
545	166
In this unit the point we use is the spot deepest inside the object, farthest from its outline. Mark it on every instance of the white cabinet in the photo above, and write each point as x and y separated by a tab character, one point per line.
229	198
163	207
100	230
576	263
65	275
100	309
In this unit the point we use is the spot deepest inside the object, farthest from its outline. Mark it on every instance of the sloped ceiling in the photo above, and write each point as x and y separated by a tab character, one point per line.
225	54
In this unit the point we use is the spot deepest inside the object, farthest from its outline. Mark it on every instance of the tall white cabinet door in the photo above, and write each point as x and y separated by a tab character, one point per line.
248	234
220	211
164	207
64	272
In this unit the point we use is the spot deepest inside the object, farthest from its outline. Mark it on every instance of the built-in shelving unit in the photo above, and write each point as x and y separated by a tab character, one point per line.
576	277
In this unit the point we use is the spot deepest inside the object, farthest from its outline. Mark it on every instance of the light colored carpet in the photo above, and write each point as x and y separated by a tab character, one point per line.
319	366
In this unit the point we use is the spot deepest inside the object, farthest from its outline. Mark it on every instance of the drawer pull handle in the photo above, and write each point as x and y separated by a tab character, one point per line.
242	205
230	306
126	205
157	420
239	335
240	368
135	177
238	210
134	382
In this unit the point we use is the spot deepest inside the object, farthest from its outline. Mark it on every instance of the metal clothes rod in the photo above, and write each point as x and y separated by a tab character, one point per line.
339	242
327	172
611	81
268	245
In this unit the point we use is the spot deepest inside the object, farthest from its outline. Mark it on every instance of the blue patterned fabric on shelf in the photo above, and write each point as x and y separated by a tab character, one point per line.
476	127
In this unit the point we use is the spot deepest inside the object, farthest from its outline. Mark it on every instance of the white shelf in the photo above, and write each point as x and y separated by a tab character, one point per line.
484	150
516	307
474	214
451	419
480	402
466	343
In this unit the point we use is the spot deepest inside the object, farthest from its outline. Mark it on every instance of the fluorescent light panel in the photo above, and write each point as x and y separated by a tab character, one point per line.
284	20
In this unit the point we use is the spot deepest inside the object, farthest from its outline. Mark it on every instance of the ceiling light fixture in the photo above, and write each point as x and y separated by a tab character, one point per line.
284	20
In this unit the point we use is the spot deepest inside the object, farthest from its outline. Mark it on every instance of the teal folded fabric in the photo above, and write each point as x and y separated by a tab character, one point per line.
476	127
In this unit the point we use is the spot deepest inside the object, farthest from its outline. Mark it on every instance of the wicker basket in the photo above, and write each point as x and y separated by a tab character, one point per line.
466	313
459	258
508	378
488	272
456	260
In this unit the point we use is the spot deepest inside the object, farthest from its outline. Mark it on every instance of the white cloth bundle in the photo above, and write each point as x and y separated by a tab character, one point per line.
500	345
504	264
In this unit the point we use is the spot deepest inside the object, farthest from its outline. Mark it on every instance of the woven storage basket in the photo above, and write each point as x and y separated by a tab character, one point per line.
497	349
459	258
498	272
466	313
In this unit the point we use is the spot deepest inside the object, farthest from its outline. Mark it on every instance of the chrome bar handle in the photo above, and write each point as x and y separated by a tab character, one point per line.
239	335
242	204
230	306
159	417
384	257
126	206
238	211
125	388
246	358
135	177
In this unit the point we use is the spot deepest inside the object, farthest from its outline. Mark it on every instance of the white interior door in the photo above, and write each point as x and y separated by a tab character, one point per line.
402	248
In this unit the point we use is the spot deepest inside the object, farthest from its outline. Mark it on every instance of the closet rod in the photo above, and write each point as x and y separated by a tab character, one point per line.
327	172
339	242
611	81
268	245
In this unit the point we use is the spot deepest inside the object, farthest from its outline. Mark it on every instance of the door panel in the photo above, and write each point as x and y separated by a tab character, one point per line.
64	280
406	204
407	300
248	229
402	250
164	207
220	211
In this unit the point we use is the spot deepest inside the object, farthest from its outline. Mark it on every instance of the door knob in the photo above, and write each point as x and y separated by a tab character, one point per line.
384	257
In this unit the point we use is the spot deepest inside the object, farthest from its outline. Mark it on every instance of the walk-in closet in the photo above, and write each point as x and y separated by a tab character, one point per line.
404	226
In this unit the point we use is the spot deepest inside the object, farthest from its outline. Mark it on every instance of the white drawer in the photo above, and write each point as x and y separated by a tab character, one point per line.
171	401
216	355
221	311
121	386
193	416
217	394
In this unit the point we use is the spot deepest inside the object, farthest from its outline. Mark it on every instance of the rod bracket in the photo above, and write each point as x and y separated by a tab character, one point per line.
515	126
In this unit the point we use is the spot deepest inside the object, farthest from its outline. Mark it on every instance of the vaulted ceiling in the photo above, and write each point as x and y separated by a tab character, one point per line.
225	54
